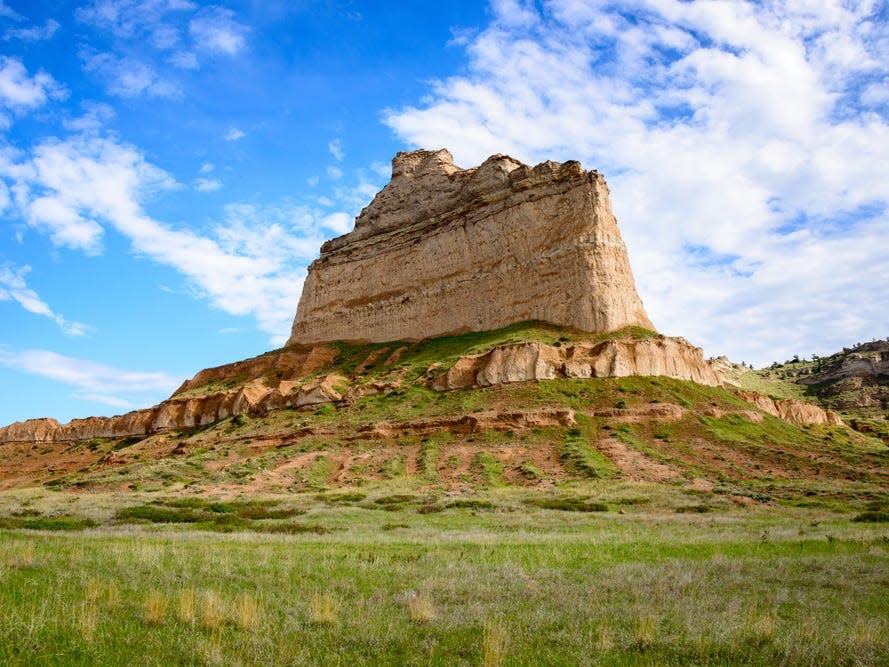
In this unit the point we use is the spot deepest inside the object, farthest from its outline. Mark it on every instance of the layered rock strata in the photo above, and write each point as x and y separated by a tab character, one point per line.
791	410
669	357
443	250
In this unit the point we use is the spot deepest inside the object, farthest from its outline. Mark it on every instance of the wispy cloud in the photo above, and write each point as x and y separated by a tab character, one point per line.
96	115
8	12
234	134
215	29
150	20
203	184
14	288
93	380
745	145
34	33
128	77
336	149
184	60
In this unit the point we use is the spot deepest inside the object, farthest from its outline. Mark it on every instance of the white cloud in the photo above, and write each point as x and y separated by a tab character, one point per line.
234	134
207	184
33	34
336	149
127	77
252	263
137	19
749	184
215	29
8	12
381	169
184	60
14	288
20	91
335	173
338	223
95	381
207	167
95	117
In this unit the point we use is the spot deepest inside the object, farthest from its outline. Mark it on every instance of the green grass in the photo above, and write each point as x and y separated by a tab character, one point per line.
742	586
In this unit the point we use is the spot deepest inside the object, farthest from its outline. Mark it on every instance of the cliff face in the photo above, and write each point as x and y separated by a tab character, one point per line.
443	250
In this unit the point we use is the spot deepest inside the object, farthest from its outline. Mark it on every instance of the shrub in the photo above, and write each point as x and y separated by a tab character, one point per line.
470	503
568	504
872	516
694	509
395	499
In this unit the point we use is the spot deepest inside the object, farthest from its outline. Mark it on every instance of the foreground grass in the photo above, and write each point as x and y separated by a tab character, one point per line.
494	581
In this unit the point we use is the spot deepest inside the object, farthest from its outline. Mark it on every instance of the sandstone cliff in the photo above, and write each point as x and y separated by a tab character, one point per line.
443	250
667	357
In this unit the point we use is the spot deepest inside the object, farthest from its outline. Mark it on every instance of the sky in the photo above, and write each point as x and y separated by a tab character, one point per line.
169	168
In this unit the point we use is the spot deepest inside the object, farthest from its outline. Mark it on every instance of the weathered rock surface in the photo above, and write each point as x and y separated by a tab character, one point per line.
444	250
669	357
790	410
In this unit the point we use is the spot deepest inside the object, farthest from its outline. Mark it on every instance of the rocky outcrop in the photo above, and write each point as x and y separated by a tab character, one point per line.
201	408
790	410
444	250
661	356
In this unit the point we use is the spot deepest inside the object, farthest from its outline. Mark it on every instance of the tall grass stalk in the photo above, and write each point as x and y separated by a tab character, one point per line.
493	644
325	608
154	608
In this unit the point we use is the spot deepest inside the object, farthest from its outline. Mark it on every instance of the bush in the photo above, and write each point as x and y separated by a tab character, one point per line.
395	499
468	503
873	516
568	504
160	514
694	509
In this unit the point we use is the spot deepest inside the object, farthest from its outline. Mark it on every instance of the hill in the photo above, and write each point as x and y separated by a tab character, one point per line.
853	382
466	413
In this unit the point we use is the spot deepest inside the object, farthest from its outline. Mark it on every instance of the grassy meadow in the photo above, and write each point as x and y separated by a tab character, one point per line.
597	573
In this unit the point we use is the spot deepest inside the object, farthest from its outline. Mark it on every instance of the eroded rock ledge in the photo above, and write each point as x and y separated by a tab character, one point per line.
669	357
444	250
790	410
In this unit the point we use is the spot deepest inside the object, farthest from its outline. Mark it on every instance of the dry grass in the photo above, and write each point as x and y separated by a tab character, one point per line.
87	620
214	613
154	608
645	630
186	606
760	626
421	608
605	639
493	644
325	608
104	591
112	594
246	611
23	556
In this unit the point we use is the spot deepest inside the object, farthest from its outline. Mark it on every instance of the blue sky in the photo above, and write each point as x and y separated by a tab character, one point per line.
168	168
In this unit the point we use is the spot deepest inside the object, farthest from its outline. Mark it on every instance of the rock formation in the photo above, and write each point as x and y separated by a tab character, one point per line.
443	250
791	410
669	357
